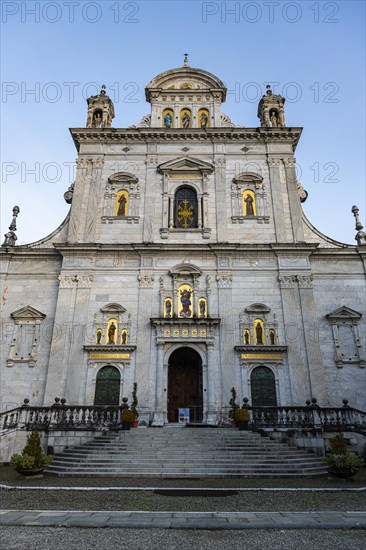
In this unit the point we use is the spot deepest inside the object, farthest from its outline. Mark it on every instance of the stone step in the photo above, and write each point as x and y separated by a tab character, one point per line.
186	453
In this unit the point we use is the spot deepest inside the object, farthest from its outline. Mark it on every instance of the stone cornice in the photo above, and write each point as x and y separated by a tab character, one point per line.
109	348
261	349
120	135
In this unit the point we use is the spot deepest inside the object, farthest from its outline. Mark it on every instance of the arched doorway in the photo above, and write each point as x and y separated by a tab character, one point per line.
263	387
185	384
107	387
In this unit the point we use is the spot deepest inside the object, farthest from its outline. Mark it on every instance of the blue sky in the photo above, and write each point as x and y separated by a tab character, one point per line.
64	51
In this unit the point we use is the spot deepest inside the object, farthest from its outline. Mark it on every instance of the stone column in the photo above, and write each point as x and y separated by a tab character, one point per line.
159	411
151	188
211	372
61	339
274	164
204	392
299	376
221	207
311	329
294	199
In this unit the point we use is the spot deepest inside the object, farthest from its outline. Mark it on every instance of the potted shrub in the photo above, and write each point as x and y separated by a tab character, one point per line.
33	460
341	463
234	406
242	417
134	405
127	419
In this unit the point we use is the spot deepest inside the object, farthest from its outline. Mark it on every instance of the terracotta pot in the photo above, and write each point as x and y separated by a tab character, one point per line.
135	423
234	424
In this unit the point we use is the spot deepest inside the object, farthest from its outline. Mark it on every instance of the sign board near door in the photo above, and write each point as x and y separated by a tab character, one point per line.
183	416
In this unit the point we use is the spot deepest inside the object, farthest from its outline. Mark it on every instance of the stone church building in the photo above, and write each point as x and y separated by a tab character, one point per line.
187	265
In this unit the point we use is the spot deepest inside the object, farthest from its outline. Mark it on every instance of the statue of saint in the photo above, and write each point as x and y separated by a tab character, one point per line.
185	298
122	206
202	308
111	333
203	120
99	336
168	308
259	333
249	205
273	119
246	338
124	337
186	119
97	121
272	337
168	120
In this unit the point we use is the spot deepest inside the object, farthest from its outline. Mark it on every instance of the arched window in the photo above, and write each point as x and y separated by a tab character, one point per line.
259	336
203	118
107	387
185	118
168	118
185	208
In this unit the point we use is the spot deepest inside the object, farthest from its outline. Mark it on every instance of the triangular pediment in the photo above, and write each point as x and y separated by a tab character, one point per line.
113	308
344	312
27	313
186	164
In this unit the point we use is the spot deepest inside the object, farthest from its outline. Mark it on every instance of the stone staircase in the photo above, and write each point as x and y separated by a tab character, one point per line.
186	453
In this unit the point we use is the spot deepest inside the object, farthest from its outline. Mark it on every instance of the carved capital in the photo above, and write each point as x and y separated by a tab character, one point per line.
85	281
287	281
220	162
146	281
224	281
152	161
305	281
274	162
290	162
68	281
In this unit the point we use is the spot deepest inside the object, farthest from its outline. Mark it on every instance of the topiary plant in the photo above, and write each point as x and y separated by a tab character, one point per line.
233	404
128	415
32	457
134	401
341	463
242	415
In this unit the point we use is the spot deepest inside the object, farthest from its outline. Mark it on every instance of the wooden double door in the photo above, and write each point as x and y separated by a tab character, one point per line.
185	384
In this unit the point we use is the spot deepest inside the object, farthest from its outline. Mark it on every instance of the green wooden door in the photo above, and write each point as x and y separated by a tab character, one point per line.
107	388
263	387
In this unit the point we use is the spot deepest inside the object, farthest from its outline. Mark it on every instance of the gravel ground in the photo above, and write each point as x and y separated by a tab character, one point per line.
148	501
9	476
35	538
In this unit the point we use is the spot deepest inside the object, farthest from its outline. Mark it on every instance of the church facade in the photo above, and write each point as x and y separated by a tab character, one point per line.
187	265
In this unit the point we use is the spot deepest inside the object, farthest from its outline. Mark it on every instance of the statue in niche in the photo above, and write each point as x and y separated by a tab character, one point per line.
186	120
122	201
124	337
185	298
273	118
168	308
203	120
246	338
249	201
202	308
259	333
168	120
111	333
97	120
272	337
99	336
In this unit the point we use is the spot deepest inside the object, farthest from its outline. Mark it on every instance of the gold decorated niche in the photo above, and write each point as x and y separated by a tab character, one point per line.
168	118
203	118
121	205
249	203
98	336
259	335
186	118
185	301
202	307
272	337
124	336
112	331
168	307
246	337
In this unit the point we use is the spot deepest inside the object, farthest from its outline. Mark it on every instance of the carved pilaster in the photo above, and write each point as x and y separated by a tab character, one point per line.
146	281
224	280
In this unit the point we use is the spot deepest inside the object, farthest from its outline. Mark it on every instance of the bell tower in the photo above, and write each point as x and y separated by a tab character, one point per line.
271	110
100	110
